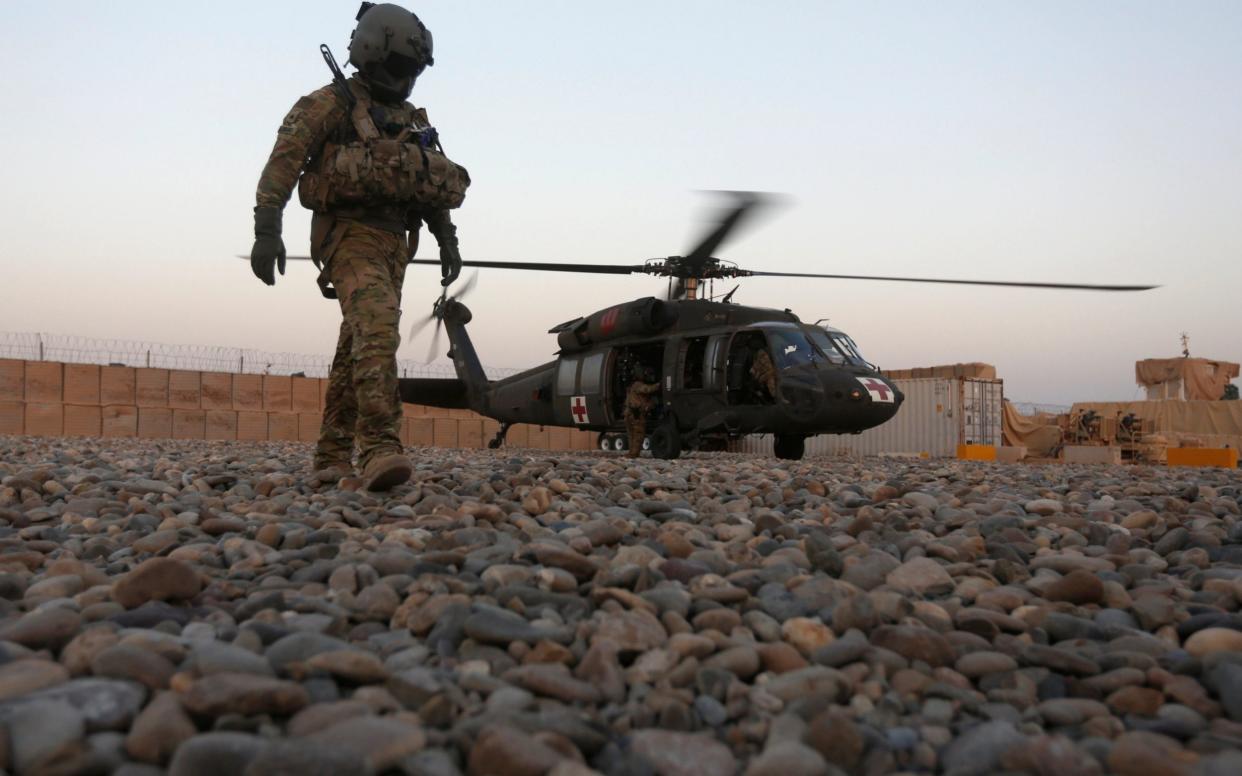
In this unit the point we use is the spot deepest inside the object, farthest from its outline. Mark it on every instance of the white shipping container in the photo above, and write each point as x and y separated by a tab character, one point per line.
938	414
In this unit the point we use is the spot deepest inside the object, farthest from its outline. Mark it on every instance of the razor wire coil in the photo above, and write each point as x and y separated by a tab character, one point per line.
75	349
1031	408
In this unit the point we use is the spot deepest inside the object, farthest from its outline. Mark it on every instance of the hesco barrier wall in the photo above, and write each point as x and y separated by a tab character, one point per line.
49	398
938	414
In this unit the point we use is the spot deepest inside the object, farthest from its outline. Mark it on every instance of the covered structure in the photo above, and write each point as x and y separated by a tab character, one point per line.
972	370
1187	379
1040	433
1177	423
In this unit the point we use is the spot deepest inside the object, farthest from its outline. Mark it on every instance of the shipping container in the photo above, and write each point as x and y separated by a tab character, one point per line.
938	414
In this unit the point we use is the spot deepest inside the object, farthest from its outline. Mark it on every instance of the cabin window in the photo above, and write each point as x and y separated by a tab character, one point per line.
592	373
711	363
566	376
693	363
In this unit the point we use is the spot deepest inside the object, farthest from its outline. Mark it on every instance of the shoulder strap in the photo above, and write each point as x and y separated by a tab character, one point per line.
360	113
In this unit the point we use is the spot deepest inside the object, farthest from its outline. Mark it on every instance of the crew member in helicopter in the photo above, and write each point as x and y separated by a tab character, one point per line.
640	402
763	373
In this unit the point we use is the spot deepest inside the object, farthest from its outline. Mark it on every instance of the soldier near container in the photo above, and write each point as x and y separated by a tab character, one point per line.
640	401
371	167
764	374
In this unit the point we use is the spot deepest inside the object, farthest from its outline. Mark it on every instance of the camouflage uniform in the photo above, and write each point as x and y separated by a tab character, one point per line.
639	402
764	373
362	254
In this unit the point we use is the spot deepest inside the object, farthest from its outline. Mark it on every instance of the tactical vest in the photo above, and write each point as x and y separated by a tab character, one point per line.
372	170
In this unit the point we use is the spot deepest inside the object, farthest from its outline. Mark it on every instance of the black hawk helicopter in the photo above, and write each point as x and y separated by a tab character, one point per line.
701	350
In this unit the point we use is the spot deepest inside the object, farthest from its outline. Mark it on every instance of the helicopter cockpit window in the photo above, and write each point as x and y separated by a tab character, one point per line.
566	376
821	339
592	373
790	348
850	350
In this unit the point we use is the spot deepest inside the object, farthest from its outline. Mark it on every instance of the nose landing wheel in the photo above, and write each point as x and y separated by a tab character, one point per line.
789	448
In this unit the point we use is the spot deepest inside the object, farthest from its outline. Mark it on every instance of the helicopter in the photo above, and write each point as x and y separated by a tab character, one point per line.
701	351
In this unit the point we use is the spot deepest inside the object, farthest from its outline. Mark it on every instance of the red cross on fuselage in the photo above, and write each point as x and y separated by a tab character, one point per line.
579	410
879	386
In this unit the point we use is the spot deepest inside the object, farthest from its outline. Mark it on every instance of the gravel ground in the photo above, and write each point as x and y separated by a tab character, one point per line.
201	608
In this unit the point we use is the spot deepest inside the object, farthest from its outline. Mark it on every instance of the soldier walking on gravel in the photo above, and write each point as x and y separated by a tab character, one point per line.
371	168
639	402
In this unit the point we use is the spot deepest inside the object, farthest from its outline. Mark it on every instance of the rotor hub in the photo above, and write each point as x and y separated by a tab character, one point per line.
688	267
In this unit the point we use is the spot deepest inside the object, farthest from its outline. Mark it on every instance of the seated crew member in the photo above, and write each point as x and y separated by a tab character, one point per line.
764	374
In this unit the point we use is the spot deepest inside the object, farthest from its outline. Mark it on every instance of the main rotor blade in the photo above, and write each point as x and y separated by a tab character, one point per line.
627	269
1064	286
541	266
729	220
544	266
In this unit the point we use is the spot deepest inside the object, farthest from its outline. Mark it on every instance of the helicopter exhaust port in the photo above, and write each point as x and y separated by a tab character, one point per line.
641	317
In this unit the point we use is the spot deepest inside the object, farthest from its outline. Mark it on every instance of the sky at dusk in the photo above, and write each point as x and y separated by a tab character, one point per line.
1055	141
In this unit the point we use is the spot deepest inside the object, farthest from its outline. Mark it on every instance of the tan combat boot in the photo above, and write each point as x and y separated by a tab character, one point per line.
386	472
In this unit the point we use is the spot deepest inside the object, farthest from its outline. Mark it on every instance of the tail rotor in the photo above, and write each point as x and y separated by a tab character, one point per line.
438	309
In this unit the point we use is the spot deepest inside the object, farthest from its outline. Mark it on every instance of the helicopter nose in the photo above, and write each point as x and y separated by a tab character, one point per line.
879	391
876	399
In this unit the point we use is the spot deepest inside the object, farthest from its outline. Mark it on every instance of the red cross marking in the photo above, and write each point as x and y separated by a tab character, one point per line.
877	386
578	409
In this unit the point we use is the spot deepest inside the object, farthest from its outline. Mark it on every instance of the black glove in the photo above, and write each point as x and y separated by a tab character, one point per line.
450	262
445	232
269	249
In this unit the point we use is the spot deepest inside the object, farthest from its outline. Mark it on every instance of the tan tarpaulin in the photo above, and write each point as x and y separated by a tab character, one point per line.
973	369
1207	423
1201	377
1038	433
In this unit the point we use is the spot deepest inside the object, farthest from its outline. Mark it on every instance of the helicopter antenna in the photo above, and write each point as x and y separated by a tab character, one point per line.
1185	345
727	298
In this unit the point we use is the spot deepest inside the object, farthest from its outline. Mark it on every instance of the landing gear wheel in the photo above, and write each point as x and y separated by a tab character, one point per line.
620	444
495	442
605	443
665	442
789	448
646	444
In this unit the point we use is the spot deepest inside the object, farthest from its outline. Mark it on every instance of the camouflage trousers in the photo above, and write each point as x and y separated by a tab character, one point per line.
362	404
636	430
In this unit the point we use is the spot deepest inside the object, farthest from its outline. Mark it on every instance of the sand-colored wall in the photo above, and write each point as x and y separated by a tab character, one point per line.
47	398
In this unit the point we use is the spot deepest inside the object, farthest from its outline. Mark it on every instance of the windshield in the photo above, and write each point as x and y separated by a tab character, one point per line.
824	343
790	348
850	350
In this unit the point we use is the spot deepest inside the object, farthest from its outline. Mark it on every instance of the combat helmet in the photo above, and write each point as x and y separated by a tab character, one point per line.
391	48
